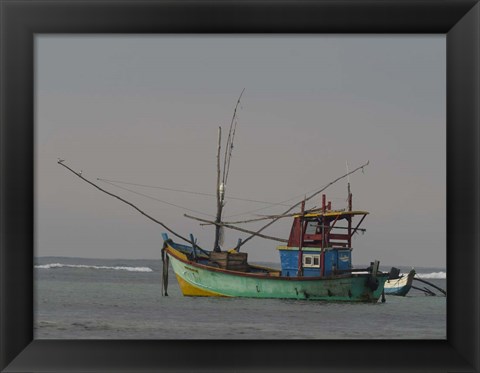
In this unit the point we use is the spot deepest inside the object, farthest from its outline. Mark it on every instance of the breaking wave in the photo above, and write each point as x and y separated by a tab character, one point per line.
432	275
116	268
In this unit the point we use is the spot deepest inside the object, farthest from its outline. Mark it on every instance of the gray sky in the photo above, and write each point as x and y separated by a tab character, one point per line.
146	110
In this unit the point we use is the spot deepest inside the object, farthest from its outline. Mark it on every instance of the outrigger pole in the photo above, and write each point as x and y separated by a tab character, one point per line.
79	174
306	199
226	225
274	217
299	203
432	285
269	217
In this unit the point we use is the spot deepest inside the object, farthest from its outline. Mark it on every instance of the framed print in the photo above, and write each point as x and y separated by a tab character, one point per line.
29	29
314	103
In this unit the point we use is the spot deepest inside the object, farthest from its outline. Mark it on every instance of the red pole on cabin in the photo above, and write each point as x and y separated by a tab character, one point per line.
300	243
322	254
349	219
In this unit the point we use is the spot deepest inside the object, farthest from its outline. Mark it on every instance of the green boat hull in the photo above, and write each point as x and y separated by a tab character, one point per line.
200	280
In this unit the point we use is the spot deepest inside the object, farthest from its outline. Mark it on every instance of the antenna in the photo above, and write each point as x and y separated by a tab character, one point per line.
348	179
349	196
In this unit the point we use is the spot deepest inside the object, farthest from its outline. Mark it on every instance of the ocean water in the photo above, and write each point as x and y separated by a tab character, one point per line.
78	298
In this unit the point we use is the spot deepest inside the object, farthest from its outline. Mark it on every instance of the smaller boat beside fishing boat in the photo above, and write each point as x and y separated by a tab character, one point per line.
400	285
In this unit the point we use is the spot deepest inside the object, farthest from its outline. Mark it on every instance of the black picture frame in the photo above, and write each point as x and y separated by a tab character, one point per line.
20	20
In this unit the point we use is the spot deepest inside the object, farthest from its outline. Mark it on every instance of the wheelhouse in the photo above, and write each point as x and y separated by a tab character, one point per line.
320	242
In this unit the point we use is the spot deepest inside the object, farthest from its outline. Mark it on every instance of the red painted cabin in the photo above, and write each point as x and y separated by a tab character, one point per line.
320	241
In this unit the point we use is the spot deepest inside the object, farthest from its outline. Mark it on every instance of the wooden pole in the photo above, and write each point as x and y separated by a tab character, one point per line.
300	245
432	285
237	229
218	219
269	217
306	199
78	174
350	218
229	145
165	261
425	290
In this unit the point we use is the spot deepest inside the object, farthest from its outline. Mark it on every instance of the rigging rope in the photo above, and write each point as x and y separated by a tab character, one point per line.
156	199
282	203
190	192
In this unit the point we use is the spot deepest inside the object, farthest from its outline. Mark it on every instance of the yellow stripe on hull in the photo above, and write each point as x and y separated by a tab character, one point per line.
194	291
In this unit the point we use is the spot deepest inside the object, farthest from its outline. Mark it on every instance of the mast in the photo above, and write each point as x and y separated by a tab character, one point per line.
220	196
222	180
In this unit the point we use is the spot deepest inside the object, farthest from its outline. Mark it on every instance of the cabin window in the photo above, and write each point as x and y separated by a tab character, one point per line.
311	227
311	260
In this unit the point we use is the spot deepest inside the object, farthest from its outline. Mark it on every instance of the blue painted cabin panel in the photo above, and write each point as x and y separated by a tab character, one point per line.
334	259
344	260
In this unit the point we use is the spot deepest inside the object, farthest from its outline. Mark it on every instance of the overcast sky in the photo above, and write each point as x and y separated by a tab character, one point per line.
146	110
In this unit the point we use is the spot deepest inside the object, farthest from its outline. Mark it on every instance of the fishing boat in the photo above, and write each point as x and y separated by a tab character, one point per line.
315	264
401	285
